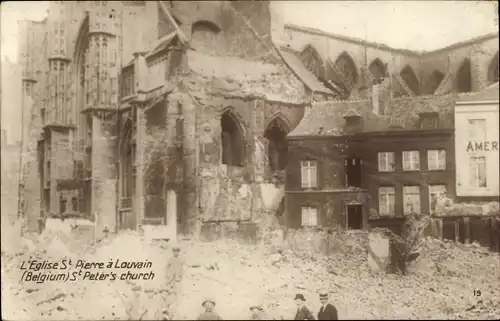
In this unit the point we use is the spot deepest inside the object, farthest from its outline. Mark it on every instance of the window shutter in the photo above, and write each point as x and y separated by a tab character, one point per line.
303	175
380	162
314	174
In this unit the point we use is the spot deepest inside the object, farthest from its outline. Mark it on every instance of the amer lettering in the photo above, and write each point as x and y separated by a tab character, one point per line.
482	146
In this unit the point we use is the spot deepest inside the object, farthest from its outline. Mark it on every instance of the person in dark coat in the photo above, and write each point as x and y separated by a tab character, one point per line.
328	311
303	312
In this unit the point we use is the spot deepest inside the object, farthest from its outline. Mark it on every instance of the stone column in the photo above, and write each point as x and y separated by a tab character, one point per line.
104	172
479	69
467	229
140	199
260	144
172	214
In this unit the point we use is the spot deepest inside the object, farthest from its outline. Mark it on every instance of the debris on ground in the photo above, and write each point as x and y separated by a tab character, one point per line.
448	280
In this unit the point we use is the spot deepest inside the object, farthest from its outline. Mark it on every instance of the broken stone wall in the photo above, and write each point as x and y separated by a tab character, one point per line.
480	54
235	37
331	47
232	192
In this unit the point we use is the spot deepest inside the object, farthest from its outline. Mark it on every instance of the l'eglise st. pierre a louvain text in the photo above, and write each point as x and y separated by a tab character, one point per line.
67	270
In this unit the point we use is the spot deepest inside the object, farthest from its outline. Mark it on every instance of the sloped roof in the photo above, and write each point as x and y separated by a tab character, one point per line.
428	109
327	118
351	113
310	80
162	43
488	94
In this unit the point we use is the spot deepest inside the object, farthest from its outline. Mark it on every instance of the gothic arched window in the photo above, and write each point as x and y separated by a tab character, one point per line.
409	77
276	133
205	35
464	81
127	156
348	68
433	82
377	69
312	61
233	144
493	69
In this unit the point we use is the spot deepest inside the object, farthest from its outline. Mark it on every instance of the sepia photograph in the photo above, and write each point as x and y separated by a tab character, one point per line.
250	160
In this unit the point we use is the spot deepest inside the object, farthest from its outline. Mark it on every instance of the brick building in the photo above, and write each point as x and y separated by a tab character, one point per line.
177	112
349	166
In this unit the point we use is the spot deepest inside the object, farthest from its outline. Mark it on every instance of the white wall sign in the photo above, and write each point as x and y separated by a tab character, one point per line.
476	149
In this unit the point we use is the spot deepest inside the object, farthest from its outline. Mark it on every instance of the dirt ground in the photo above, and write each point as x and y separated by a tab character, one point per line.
443	283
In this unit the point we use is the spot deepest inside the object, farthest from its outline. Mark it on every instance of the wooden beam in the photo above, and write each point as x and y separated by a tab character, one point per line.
271	49
180	34
341	75
404	85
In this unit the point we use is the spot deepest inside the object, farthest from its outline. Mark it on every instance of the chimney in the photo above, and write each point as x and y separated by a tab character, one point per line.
376	99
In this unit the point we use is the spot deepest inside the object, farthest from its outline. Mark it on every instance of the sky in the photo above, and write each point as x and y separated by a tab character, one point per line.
415	25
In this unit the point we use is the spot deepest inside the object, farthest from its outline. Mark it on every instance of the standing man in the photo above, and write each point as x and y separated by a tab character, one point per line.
303	312
328	310
174	267
209	313
173	277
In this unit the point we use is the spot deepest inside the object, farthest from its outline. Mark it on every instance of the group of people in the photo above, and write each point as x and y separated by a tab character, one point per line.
327	311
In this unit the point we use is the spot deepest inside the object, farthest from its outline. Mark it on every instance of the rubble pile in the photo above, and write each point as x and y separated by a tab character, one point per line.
238	276
444	282
109	299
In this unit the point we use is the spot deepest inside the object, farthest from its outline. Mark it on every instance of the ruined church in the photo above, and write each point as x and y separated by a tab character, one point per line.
177	112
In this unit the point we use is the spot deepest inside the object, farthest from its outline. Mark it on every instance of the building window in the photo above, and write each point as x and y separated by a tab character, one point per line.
232	140
74	204
127	163
353	172
62	205
278	147
386	162
477	130
411	199
411	160
436	159
429	121
309	174
477	168
386	200
435	192
205	36
309	216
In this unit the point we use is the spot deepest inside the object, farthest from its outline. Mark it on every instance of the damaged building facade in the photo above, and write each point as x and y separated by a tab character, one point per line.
179	113
162	112
396	145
